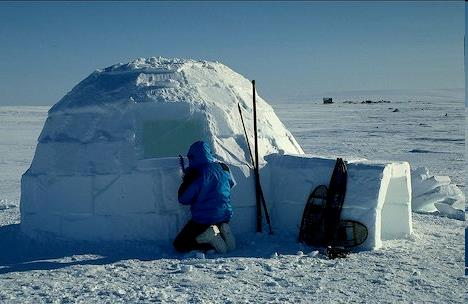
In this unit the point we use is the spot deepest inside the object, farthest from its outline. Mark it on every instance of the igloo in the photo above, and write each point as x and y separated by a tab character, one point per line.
106	163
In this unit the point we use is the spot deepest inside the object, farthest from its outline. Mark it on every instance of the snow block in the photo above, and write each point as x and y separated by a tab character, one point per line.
56	194
63	197
161	228
38	225
166	178
244	219
378	194
64	158
31	193
52	157
243	194
109	157
93	124
123	194
85	227
141	227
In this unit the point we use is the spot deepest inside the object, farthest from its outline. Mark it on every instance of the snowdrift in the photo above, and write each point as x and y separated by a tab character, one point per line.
437	195
106	165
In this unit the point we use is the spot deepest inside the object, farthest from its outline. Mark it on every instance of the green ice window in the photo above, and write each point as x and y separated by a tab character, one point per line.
169	138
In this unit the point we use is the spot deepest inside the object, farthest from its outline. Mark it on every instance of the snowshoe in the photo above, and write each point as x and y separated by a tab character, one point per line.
312	230
350	234
335	199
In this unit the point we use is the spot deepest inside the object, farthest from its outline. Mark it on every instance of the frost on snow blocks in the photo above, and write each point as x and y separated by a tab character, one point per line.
106	165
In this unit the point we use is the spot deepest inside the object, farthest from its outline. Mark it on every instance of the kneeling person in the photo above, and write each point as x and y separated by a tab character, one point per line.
206	187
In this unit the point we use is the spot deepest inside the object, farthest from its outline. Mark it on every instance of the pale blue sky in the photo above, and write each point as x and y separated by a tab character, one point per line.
291	49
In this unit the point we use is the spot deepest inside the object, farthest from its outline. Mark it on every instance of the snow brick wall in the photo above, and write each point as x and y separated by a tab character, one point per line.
378	194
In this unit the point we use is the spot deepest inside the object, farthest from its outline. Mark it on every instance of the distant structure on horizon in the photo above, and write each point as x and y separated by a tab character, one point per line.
327	100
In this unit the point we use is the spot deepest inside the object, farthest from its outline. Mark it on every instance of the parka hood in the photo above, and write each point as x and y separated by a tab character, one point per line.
199	154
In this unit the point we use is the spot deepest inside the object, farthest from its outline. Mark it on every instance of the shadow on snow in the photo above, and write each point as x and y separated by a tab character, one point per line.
19	253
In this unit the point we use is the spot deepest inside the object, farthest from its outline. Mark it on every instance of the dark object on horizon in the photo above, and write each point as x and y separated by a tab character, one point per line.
327	100
368	101
446	114
396	110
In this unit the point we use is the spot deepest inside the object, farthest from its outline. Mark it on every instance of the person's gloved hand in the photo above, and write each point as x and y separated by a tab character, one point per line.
190	175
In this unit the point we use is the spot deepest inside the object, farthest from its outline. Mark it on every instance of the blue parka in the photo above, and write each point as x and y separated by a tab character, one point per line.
206	187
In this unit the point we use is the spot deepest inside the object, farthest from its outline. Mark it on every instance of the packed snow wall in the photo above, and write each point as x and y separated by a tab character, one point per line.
378	194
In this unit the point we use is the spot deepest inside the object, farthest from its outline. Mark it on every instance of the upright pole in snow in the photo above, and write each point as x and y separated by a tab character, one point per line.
257	188
256	173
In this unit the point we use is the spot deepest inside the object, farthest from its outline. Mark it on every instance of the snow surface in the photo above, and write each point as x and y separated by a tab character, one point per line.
424	269
427	268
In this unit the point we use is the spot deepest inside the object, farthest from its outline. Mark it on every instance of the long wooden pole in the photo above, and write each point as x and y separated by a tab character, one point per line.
262	197
256	173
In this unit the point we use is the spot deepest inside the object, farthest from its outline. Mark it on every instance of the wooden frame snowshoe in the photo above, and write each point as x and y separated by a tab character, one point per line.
321	224
312	230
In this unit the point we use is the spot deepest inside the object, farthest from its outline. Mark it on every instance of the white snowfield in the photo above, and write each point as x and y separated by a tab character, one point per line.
106	165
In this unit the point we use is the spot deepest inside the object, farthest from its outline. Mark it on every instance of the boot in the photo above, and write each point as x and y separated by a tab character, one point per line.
213	237
228	236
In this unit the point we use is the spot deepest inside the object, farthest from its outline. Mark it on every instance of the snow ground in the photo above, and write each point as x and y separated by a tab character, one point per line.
426	268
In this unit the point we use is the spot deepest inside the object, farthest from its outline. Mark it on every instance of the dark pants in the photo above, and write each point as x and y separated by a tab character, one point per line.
186	241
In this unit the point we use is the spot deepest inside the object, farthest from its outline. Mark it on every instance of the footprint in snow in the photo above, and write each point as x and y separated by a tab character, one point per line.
272	284
268	267
6	207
